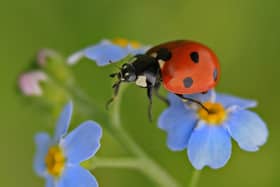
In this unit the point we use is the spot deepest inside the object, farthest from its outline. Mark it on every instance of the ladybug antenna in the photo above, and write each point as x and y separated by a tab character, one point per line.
113	75
111	62
194	101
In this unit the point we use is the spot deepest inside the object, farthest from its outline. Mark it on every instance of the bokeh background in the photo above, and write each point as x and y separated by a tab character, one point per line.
244	34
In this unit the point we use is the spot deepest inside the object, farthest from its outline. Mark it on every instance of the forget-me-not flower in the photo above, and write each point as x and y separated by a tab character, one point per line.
207	136
108	51
57	159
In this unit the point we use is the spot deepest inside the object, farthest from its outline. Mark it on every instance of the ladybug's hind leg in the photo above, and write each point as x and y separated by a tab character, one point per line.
185	99
150	97
150	89
162	98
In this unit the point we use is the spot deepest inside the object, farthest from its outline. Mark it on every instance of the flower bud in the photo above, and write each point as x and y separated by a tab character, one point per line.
29	83
55	66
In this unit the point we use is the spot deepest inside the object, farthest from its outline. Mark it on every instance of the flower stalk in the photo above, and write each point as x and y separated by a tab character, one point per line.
142	161
195	177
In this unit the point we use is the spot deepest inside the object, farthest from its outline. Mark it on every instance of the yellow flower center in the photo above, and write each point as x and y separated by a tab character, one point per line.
124	42
216	115
55	161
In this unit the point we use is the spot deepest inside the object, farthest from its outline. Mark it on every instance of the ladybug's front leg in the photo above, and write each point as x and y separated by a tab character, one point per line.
116	88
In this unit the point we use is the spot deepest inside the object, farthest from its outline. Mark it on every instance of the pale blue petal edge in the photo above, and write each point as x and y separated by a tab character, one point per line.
209	96
82	143
178	122
76	176
229	101
209	146
50	182
63	122
43	142
248	129
174	100
104	53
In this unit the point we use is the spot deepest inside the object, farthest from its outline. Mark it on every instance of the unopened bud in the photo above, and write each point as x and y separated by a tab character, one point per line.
29	83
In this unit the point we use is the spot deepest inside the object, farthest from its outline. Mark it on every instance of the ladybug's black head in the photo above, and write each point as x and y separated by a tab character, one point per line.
126	74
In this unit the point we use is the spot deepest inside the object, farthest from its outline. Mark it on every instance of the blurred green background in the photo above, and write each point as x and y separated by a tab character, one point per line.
244	34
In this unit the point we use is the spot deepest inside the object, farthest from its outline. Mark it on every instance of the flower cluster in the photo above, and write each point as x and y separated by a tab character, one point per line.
51	65
45	75
207	135
57	159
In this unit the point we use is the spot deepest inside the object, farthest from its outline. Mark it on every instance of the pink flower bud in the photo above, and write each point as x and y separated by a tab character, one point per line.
29	83
42	56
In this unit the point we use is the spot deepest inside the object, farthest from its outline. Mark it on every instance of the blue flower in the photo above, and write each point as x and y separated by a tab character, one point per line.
207	136
57	159
108	51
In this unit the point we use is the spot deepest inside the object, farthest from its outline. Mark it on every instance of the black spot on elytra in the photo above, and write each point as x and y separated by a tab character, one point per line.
215	75
194	56
163	54
188	82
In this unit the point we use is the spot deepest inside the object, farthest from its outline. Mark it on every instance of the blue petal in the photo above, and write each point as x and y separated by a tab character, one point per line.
136	51
83	142
248	129
209	146
178	122
229	101
43	142
50	181
76	176
103	53
174	100
75	57
209	96
63	122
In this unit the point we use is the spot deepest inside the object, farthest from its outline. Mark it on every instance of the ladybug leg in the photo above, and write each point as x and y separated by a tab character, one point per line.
116	88
150	94
154	78
162	98
192	100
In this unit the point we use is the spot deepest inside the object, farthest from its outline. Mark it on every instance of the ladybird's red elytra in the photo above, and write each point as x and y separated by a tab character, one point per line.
182	66
192	68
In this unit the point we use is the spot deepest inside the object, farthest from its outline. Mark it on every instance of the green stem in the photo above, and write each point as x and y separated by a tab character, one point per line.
98	162
115	110
148	166
142	162
118	132
195	178
158	174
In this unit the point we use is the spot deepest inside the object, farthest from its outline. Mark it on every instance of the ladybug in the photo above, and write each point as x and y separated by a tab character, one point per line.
182	66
